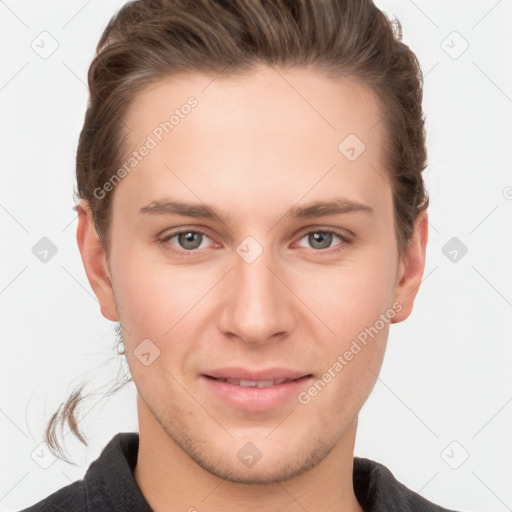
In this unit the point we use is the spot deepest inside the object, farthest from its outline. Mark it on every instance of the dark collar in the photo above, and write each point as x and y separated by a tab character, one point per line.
110	483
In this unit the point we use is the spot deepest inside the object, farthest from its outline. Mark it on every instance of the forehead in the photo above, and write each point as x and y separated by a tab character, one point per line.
271	133
258	99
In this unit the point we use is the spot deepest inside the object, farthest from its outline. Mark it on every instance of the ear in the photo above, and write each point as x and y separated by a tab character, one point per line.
411	268
95	261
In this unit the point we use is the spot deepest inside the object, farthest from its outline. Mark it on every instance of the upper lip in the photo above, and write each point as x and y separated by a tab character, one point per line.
258	375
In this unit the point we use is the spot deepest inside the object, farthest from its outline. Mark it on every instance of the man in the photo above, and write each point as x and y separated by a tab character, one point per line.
252	241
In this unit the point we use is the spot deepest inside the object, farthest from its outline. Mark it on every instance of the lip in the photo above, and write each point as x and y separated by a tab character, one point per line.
238	372
256	399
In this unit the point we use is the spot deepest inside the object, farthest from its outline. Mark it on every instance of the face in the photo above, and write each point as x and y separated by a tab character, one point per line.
296	277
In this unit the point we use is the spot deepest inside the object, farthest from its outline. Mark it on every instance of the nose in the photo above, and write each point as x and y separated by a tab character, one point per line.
258	304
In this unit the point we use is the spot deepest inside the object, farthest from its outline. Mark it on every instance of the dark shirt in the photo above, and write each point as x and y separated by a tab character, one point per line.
110	486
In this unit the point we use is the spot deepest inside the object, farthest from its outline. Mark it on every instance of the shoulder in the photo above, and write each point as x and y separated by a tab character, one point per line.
108	485
377	490
71	498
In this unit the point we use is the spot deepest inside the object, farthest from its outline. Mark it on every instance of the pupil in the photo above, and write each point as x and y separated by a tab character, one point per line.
187	240
324	238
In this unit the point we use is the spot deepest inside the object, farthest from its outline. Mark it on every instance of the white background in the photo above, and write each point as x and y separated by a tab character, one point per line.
446	375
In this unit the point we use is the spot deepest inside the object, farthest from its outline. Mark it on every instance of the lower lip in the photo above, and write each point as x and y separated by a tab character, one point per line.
256	399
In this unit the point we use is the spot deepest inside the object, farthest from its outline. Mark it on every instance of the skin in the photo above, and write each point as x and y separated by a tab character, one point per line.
253	148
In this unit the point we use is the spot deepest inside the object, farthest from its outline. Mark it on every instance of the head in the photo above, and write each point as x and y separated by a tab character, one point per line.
259	114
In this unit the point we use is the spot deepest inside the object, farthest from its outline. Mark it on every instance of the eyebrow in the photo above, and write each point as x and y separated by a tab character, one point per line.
337	206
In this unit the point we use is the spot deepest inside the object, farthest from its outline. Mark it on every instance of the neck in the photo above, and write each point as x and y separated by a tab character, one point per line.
171	481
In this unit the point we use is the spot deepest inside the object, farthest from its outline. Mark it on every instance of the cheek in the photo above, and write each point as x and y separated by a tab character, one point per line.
351	362
154	302
355	300
353	295
151	292
146	304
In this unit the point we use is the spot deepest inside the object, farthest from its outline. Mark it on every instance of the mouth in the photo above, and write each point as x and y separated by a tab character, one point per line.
256	383
254	395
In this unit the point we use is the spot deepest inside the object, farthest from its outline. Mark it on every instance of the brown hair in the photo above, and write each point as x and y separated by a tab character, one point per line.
148	40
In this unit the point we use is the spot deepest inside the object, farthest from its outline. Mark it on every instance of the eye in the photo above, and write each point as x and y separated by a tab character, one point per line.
321	239
188	241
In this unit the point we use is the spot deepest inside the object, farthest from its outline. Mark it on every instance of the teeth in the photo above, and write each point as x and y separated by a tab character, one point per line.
246	383
254	383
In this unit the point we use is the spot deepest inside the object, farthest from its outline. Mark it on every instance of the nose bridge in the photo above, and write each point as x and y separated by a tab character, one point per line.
258	304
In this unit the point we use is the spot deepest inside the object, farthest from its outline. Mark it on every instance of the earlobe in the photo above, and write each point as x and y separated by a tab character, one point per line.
95	262
411	268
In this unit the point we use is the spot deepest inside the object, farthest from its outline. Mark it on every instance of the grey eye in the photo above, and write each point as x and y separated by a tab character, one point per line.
190	240
320	240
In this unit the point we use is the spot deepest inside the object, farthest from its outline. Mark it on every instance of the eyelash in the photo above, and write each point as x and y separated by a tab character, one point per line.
164	242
